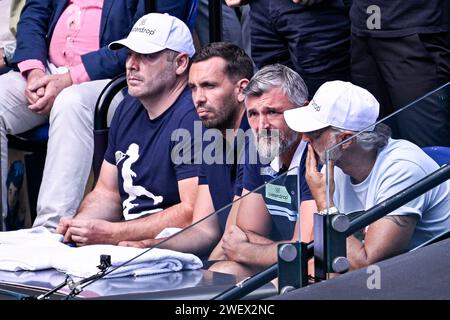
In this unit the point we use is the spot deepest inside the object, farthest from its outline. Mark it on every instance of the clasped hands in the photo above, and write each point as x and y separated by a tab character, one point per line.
42	89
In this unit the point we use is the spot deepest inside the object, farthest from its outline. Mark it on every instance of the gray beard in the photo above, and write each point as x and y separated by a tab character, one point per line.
276	146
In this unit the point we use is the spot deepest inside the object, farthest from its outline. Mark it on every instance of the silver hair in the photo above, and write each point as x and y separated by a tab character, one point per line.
278	76
369	140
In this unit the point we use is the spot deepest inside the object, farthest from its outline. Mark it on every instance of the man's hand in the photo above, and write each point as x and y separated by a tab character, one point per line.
147	243
307	2
33	78
53	85
317	181
231	242
88	231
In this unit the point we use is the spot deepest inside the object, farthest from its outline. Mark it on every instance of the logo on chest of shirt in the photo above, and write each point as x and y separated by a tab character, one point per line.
128	175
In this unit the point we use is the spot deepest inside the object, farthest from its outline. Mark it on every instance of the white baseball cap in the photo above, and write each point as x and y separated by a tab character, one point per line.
339	104
155	32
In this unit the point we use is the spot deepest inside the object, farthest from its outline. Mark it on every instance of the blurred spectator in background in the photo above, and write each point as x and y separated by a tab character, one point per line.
312	37
400	52
269	216
367	169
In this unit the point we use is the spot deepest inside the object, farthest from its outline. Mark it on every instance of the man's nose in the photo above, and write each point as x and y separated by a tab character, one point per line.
199	96
131	62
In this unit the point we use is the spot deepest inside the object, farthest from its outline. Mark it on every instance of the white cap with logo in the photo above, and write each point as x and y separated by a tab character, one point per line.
155	32
339	104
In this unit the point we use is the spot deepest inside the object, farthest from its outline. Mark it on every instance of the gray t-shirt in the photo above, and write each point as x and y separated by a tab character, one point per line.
399	165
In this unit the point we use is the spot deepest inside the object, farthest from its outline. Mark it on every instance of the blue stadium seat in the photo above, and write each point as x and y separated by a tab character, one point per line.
439	154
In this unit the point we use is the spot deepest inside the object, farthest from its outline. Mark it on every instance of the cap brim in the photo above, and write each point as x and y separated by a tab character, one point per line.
302	120
141	47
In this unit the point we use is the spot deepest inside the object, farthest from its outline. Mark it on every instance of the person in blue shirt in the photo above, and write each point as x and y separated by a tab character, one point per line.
219	73
143	188
365	170
268	216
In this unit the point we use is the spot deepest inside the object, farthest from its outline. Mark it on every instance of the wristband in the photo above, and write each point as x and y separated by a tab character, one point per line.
331	210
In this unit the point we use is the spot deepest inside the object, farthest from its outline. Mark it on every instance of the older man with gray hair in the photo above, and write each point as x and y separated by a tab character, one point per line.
263	220
370	168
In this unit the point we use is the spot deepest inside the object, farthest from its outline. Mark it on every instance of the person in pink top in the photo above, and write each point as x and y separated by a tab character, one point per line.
63	64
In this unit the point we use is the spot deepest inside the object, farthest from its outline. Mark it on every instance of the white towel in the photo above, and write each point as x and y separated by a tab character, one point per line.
34	250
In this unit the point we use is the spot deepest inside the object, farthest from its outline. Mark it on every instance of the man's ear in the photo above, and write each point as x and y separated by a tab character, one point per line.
182	63
344	136
240	86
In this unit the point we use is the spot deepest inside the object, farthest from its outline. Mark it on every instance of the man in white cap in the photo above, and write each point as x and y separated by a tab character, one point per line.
371	167
139	178
283	209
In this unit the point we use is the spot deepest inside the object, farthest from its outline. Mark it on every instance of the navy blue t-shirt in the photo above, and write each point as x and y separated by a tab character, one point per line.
225	179
280	195
141	149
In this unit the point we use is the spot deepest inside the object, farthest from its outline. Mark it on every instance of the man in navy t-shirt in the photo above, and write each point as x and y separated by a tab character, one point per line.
269	215
144	175
218	74
312	37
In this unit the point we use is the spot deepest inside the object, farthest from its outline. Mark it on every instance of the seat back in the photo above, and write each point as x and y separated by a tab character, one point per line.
439	154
